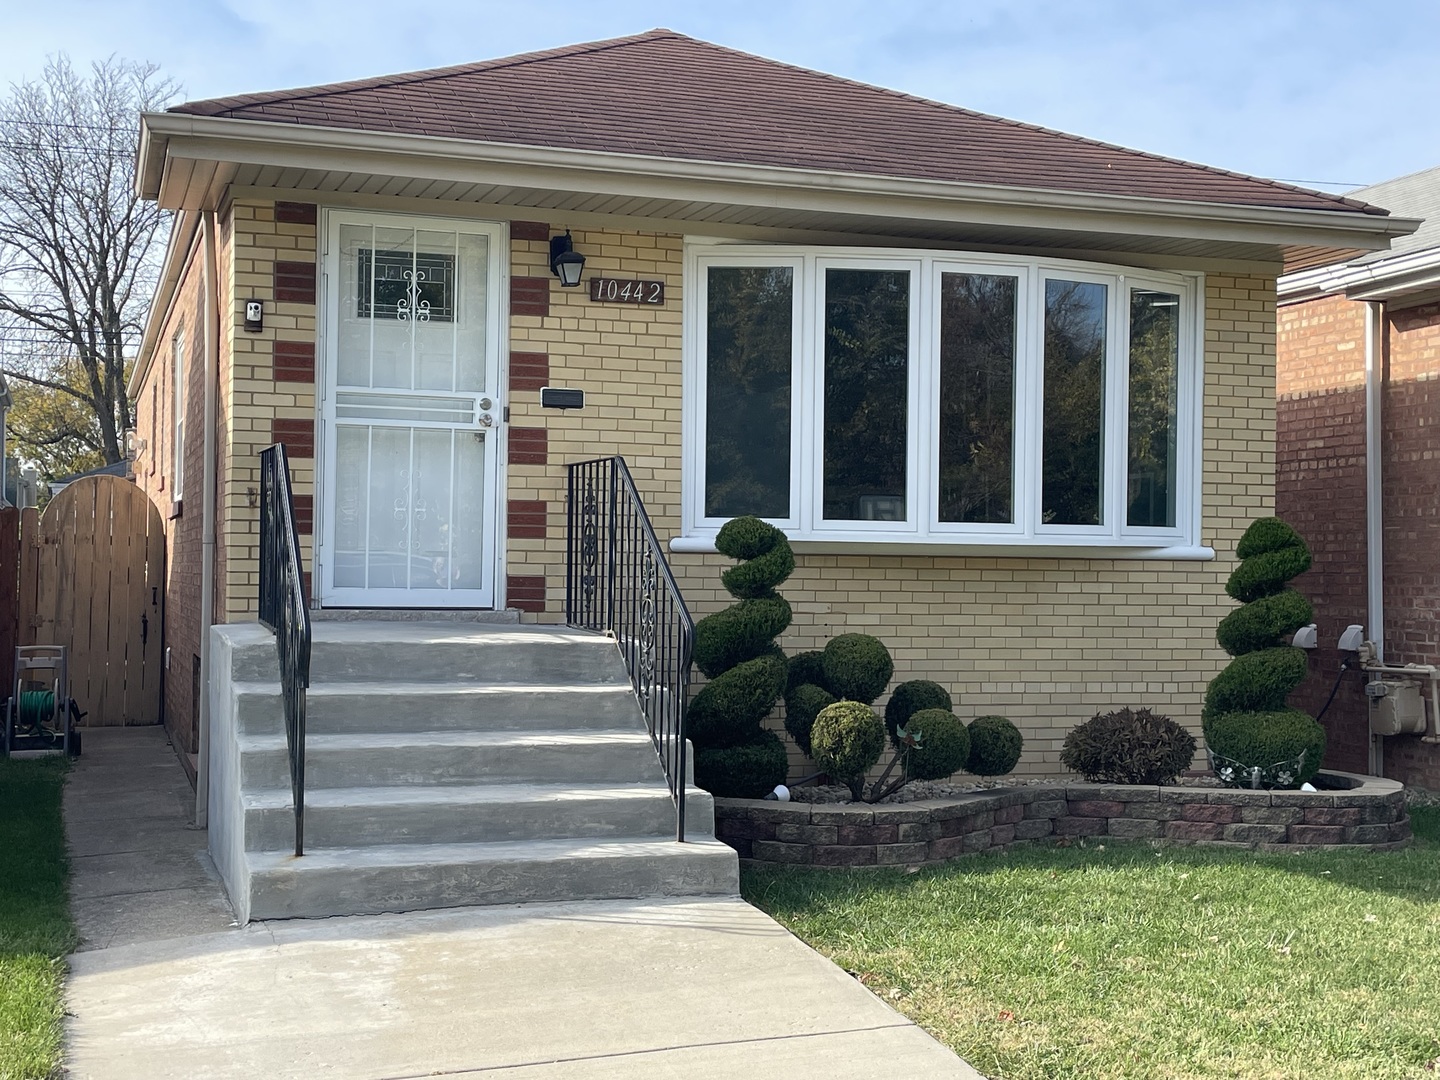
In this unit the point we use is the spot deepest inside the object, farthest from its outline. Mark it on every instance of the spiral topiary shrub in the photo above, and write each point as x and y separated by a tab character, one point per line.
746	771
995	745
735	649
1270	738
856	667
1129	746
941	744
1245	717
846	740
909	698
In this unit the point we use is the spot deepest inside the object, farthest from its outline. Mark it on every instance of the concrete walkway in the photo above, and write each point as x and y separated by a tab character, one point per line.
697	989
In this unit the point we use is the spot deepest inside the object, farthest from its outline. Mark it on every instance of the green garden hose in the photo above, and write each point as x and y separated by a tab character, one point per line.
36	708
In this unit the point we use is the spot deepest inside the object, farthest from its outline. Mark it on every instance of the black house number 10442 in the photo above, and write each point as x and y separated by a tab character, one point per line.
613	291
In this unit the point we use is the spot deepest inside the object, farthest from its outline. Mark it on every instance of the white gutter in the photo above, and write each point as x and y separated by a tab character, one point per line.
166	137
207	515
1378	280
1374	501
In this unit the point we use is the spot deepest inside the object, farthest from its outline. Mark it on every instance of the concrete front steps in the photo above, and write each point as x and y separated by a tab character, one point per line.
447	764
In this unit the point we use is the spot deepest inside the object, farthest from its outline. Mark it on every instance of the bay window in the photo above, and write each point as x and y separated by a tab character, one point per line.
937	398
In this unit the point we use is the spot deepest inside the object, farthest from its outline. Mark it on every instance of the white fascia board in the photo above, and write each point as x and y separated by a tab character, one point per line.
1381	280
386	154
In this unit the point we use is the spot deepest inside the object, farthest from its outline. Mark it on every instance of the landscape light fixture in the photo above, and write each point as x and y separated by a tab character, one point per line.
565	262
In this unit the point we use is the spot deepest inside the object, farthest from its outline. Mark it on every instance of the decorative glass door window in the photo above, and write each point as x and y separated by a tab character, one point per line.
933	397
411	413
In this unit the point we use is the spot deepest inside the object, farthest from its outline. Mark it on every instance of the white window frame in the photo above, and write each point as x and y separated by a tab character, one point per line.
922	529
177	479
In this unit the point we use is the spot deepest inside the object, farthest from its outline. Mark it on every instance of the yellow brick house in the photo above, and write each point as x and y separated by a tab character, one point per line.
1009	391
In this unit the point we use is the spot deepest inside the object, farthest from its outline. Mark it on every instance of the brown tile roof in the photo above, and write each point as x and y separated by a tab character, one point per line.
662	94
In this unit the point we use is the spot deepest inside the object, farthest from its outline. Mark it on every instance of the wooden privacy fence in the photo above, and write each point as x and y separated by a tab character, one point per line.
89	574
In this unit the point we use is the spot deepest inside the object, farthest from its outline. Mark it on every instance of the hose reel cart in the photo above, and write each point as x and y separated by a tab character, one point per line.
40	714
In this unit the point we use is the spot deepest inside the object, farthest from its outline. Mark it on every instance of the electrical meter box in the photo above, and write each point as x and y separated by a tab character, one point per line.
1396	707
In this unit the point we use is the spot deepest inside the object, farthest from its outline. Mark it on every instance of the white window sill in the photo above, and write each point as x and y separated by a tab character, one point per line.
1074	549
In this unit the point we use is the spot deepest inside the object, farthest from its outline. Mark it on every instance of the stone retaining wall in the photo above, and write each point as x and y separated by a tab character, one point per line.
1370	815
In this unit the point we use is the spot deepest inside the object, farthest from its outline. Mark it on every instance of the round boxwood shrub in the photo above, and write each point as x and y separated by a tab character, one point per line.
846	740
748	771
735	649
909	698
1128	746
802	705
1267	739
1245	717
995	745
856	667
941	744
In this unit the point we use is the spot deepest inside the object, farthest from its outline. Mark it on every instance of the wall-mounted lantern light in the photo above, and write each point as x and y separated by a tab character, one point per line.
565	262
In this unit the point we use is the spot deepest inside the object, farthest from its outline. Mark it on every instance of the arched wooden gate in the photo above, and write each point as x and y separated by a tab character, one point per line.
92	578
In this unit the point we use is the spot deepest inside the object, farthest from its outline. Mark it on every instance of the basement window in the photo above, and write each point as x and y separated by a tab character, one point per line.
939	398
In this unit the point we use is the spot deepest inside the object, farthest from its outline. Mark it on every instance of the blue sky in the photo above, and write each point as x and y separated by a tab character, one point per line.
1341	93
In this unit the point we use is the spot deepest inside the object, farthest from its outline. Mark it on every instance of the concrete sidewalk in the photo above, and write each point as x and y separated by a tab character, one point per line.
697	989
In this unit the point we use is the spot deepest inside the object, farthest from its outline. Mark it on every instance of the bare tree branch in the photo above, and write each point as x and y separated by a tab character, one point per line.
78	262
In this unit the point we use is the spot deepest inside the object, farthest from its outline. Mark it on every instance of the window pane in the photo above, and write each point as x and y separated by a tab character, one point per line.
1154	372
1074	434
747	387
867	359
977	389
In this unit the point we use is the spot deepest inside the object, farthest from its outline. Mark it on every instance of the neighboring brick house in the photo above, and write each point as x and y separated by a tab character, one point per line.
865	295
1377	314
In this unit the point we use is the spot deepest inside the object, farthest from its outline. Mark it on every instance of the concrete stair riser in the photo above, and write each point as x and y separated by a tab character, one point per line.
341	761
341	708
446	766
364	816
371	881
516	658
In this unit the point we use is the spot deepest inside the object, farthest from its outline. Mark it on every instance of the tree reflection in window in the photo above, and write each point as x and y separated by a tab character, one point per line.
867	359
1154	370
1074	429
977	395
747	391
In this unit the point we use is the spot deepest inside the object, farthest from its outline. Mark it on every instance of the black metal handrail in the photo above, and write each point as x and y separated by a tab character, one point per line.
283	609
618	582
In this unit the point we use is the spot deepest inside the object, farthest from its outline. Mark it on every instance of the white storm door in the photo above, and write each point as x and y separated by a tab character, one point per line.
411	412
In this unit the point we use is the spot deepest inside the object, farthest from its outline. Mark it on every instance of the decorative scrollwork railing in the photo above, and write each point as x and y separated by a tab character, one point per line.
284	610
617	581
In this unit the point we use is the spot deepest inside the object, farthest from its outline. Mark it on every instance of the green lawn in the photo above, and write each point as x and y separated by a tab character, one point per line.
1122	960
35	927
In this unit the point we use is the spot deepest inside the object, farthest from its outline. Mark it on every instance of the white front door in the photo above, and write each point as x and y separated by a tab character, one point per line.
410	412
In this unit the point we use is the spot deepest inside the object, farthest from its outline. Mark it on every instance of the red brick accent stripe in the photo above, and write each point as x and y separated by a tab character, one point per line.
525	593
295	361
295	282
295	213
529	370
529	230
304	514
297	435
527	519
529	446
530	296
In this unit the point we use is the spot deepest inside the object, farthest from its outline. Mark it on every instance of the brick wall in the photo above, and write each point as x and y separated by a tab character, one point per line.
1047	642
269	385
155	407
1320	490
1411	482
